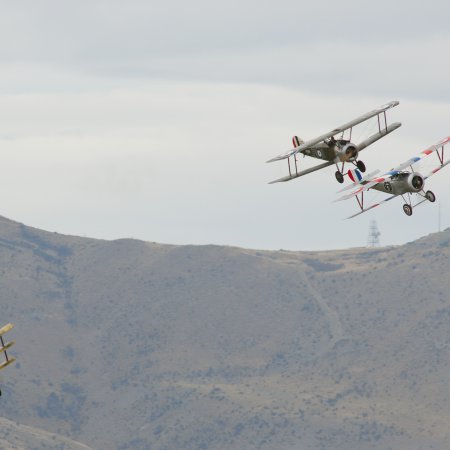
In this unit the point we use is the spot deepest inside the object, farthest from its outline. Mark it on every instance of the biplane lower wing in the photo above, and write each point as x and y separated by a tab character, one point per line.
301	173
7	363
437	169
372	206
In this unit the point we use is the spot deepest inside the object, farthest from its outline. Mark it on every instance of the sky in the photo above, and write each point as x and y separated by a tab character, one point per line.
154	120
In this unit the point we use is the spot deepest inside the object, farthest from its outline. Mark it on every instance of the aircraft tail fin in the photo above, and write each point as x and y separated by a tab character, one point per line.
296	141
354	175
357	178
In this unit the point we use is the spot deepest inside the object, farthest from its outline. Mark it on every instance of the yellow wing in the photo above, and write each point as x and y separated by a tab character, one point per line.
6	328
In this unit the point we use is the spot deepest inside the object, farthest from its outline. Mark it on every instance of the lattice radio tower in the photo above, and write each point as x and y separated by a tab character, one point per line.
374	235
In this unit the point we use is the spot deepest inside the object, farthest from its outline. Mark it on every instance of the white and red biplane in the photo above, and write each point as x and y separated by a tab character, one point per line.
397	181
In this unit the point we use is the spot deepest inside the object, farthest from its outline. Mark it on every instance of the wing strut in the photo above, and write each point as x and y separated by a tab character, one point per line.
289	166
385	122
441	154
360	202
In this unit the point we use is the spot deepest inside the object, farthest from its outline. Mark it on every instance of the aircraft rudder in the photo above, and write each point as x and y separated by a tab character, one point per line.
296	141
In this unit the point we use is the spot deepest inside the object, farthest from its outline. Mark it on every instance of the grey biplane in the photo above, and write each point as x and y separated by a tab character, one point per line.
398	182
4	347
334	149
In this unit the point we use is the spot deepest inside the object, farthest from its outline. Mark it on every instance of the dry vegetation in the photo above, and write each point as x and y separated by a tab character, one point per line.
132	345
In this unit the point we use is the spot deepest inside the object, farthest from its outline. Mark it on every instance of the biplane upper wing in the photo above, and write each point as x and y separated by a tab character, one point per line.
433	148
7	363
6	328
439	149
337	130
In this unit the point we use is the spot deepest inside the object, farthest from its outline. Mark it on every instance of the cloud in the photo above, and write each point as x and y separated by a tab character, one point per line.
154	119
184	163
324	47
89	31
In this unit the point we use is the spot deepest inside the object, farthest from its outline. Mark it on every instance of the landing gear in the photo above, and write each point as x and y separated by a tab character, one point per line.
339	176
430	196
407	209
361	166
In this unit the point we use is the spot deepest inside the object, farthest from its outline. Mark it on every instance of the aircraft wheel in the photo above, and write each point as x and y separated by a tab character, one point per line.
339	176
407	209
361	166
430	196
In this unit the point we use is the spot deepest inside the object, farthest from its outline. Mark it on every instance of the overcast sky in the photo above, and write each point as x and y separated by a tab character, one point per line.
154	120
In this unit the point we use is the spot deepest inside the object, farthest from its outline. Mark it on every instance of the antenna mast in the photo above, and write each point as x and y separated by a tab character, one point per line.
374	235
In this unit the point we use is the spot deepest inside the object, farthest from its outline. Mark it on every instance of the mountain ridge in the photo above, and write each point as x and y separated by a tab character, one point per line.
148	345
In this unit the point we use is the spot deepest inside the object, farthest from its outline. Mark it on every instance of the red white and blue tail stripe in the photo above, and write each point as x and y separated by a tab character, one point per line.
357	178
354	175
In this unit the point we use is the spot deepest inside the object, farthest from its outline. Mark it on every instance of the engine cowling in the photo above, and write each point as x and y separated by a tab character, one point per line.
415	182
348	152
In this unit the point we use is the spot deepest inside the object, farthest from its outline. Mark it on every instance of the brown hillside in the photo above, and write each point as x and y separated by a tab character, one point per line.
133	345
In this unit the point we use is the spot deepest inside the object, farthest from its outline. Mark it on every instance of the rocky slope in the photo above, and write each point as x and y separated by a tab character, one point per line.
134	345
14	436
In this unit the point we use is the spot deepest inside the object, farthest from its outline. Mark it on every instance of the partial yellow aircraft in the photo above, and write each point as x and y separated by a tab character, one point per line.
8	359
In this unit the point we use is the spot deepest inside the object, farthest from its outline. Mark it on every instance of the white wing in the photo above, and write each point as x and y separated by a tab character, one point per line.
437	169
372	206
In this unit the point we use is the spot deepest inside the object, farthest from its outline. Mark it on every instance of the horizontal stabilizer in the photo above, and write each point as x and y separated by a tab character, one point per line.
7	363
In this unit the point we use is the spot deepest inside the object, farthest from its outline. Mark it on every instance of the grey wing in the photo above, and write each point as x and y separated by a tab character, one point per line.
303	172
337	130
363	118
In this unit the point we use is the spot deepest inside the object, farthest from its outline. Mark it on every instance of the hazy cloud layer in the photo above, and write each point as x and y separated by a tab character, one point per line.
339	47
154	120
185	164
